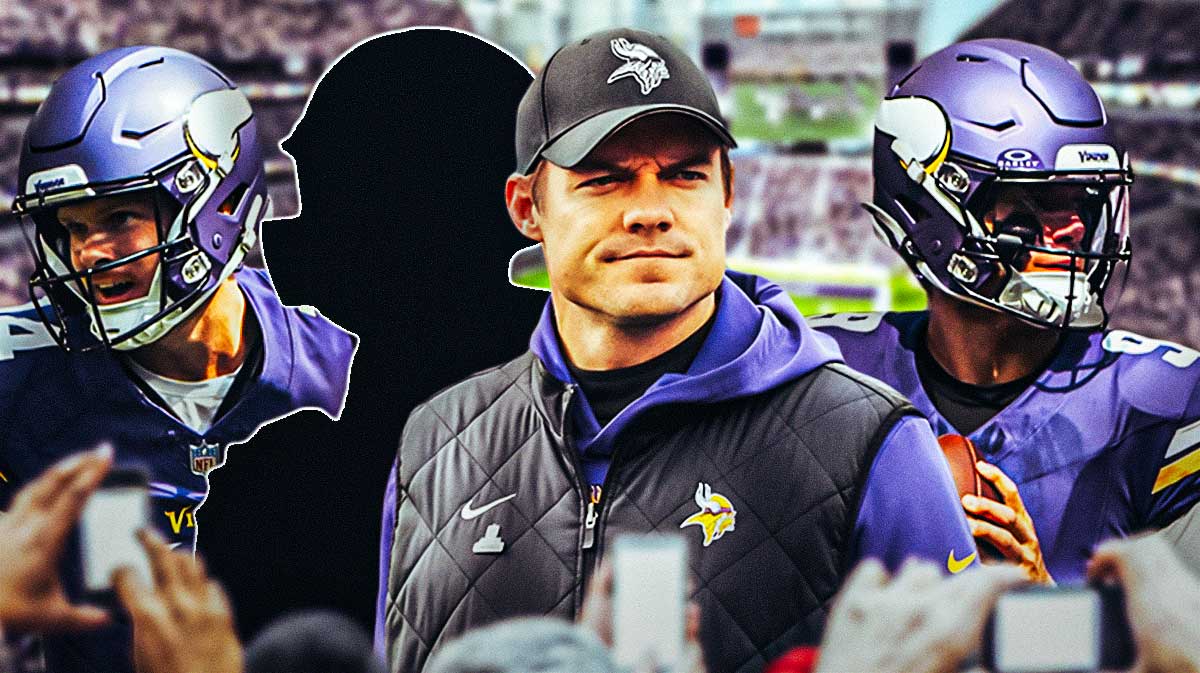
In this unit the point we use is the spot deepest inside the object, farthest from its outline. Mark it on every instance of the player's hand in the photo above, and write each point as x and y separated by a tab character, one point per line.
184	623
597	615
917	622
1007	526
32	535
1162	601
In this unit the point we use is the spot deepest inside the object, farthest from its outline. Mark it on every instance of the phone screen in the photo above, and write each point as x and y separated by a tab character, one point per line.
108	527
1047	631
649	594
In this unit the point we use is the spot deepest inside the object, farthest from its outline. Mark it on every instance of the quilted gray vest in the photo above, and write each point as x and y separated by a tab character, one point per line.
791	463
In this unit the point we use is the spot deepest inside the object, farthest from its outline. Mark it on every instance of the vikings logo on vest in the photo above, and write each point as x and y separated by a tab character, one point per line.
716	515
641	63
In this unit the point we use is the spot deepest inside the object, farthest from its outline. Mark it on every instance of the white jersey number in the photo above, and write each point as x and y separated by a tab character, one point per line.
22	334
1120	341
862	323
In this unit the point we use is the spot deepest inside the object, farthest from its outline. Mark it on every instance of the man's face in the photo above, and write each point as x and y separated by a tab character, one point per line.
107	229
636	233
1045	215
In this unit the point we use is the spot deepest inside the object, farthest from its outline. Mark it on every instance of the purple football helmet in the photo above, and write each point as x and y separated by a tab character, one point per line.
989	117
152	120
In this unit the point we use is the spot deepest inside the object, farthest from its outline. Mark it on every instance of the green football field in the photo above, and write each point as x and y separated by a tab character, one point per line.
751	119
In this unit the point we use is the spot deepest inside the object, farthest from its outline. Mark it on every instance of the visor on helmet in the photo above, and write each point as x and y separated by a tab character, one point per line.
1049	219
1059	239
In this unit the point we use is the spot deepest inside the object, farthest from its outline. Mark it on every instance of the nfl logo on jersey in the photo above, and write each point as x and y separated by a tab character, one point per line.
205	456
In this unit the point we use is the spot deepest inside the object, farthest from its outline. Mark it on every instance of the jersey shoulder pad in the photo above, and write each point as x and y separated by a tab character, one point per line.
32	366
1154	376
255	278
866	337
873	343
320	351
323	352
850	323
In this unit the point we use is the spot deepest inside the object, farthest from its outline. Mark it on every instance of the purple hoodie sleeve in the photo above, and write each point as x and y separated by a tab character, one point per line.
385	559
910	505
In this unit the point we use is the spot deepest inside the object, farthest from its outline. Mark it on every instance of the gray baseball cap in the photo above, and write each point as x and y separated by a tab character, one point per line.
592	87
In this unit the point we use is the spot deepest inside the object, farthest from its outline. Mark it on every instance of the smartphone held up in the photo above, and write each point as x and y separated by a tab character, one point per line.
649	601
1059	630
108	529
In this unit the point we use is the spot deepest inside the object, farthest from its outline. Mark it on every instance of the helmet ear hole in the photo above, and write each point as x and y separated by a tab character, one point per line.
231	203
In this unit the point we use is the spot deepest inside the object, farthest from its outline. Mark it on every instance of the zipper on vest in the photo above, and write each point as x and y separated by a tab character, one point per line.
571	456
592	499
568	394
589	523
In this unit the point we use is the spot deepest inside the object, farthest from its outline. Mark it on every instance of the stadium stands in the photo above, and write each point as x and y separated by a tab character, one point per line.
804	208
1149	40
1158	297
296	38
1172	141
807	59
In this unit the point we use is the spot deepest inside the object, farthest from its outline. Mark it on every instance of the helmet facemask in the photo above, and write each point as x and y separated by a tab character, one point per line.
1058	244
59	291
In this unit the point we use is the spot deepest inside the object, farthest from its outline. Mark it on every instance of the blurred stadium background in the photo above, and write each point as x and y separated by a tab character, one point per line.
799	80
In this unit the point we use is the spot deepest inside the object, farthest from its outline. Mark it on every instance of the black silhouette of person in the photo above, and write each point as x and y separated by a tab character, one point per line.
403	238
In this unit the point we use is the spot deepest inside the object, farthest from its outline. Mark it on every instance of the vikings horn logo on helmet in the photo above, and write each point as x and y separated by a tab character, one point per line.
716	515
641	63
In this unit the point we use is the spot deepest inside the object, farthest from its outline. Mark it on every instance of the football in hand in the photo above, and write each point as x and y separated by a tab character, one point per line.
961	455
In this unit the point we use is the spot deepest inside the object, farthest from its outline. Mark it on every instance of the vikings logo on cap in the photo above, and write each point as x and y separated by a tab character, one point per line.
641	63
716	515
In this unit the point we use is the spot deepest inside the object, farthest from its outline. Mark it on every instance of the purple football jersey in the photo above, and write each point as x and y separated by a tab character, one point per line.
53	404
1105	443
